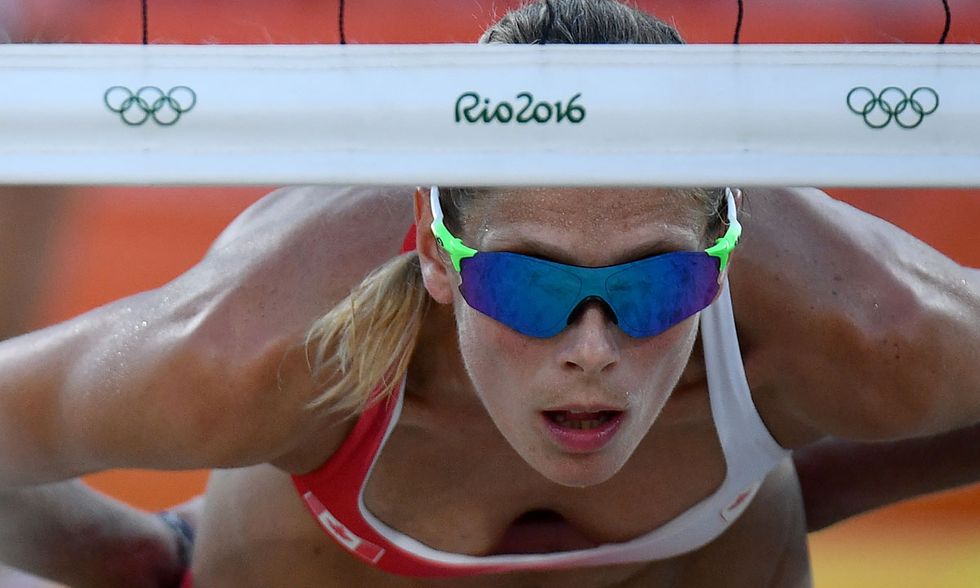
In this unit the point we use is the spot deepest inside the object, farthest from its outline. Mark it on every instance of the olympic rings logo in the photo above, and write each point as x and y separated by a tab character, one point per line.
135	108
892	103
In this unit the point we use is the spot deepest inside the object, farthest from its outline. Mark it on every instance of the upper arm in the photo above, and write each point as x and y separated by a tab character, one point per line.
206	371
854	327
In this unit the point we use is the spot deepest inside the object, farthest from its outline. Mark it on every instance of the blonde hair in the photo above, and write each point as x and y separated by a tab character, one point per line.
360	351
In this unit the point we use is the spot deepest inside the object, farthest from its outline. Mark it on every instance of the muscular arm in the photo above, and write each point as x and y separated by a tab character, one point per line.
842	478
75	536
851	327
206	371
862	347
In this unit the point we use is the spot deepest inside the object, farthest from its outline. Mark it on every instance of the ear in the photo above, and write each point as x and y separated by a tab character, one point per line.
438	274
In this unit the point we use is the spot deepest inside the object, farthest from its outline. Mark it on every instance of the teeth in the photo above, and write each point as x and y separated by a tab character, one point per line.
561	418
590	424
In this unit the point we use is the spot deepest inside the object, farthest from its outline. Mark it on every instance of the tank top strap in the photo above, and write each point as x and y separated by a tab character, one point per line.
750	450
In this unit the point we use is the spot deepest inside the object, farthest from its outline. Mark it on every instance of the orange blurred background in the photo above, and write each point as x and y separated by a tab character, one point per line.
103	244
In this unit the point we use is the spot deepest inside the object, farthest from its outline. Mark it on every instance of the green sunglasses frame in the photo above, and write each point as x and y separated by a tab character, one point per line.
458	251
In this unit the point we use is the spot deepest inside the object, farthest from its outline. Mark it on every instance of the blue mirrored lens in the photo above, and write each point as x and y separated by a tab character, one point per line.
536	297
531	296
654	294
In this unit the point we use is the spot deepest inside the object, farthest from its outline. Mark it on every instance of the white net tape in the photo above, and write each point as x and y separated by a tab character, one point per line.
491	115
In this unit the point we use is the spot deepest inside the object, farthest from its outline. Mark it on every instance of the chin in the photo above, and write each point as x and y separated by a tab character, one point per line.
580	471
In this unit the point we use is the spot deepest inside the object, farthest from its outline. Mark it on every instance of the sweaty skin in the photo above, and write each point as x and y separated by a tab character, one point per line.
491	485
840	336
596	364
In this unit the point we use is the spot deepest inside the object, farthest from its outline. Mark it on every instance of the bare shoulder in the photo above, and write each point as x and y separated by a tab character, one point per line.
207	370
830	304
293	255
278	267
358	217
307	246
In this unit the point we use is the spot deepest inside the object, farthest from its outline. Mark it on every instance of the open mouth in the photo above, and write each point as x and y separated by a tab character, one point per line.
582	431
581	420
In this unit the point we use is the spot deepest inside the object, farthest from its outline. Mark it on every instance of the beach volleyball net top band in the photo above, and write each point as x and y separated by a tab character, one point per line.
694	115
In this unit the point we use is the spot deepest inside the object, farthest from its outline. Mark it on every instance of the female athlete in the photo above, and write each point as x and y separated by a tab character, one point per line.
545	388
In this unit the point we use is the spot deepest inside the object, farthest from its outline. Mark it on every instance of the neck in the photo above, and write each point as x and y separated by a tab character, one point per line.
436	373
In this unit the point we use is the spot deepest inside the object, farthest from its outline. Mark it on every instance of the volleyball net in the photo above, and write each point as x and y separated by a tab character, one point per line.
827	115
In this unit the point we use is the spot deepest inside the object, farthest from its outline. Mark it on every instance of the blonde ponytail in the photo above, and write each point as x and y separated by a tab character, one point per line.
369	337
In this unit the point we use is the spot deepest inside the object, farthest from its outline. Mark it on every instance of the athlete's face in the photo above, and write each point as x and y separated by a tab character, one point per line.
574	406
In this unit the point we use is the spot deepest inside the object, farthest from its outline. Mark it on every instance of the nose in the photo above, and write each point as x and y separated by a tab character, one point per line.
590	339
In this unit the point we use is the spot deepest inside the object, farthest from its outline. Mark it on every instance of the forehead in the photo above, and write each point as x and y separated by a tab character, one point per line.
622	206
604	221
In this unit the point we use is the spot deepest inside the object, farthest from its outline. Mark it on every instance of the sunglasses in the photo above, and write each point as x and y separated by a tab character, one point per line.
539	298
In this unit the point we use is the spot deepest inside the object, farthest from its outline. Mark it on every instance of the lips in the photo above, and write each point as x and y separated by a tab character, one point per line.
582	431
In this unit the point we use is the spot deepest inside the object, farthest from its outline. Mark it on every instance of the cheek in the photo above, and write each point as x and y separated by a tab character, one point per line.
500	364
659	362
493	355
668	348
